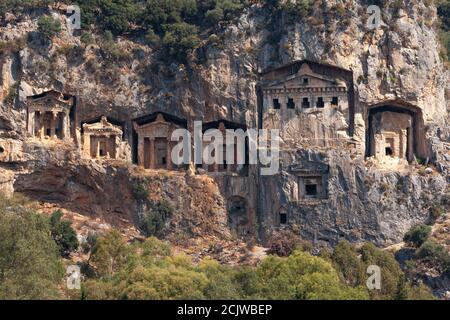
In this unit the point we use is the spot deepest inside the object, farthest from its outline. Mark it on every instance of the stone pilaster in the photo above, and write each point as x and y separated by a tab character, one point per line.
152	153
97	152
53	125
169	155
141	150
41	125
31	121
87	144
65	126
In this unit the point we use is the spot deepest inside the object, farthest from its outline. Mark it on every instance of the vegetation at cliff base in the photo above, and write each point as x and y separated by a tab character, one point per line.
352	264
151	271
30	265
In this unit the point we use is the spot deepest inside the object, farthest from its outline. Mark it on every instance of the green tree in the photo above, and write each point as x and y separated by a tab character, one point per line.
220	284
118	15
30	266
417	235
432	251
63	234
152	38
302	276
390	270
156	218
213	16
110	254
345	259
180	40
49	27
160	13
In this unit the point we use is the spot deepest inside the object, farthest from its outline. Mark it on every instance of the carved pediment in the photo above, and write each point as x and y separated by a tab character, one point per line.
50	101
305	78
309	167
102	127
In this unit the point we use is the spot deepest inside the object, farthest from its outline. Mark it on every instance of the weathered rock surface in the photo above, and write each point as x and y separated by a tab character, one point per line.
397	61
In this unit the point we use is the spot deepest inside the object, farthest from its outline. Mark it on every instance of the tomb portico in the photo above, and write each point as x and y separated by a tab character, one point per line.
49	115
101	139
228	161
154	145
395	132
304	91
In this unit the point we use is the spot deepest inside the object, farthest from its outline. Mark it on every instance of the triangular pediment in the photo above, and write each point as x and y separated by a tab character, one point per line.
103	125
309	167
50	96
306	78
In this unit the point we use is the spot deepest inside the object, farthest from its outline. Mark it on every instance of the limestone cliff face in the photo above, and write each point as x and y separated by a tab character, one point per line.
397	61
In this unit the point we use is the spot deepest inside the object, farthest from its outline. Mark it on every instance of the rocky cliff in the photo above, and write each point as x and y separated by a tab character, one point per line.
398	61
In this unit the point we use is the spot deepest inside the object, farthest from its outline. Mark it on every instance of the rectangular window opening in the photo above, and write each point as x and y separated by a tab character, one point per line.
311	190
283	218
334	101
305	103
276	104
291	103
320	102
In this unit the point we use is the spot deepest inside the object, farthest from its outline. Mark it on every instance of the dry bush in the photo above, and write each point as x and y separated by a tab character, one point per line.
284	242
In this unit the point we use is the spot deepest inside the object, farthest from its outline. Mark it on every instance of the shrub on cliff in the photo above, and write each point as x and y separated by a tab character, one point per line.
443	10
140	189
284	242
180	39
115	15
156	218
417	235
433	252
294	11
63	234
48	27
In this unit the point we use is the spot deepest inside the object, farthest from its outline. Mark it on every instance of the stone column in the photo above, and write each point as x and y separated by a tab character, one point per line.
140	150
53	125
152	153
108	146
97	153
65	135
87	144
169	155
41	125
31	115
410	143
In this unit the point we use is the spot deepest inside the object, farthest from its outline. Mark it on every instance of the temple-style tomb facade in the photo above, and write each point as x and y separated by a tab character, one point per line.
317	111
229	161
154	145
49	115
305	92
101	139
